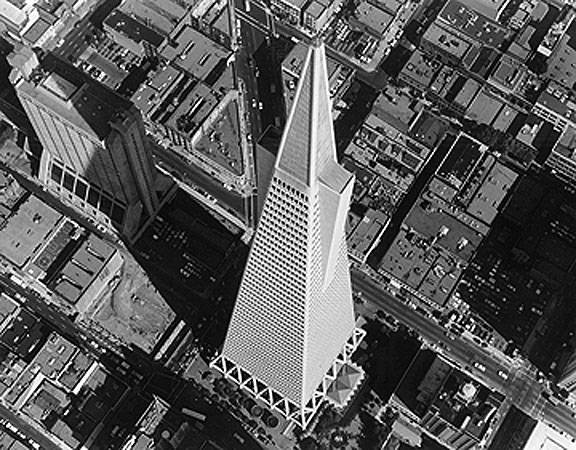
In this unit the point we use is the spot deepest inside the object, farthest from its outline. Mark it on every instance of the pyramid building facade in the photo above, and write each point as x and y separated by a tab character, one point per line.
293	327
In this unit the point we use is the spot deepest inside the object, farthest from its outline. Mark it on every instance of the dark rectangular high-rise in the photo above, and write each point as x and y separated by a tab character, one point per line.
95	151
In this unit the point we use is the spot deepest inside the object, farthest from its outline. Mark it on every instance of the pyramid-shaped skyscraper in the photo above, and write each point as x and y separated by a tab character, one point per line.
293	327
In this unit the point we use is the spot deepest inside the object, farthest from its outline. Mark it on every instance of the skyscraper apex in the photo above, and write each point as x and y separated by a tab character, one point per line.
293	328
309	124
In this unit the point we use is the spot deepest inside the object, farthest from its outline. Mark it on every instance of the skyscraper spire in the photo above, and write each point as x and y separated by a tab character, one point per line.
293	325
308	143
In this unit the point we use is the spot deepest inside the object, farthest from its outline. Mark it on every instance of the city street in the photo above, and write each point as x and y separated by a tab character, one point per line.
521	387
26	429
191	174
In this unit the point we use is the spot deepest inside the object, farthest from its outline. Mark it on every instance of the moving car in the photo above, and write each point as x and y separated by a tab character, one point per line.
479	366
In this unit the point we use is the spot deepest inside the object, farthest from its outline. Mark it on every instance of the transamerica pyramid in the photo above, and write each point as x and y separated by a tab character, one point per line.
293	328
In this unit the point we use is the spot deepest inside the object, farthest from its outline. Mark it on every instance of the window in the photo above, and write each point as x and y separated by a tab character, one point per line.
105	205
69	181
81	189
93	196
56	174
117	214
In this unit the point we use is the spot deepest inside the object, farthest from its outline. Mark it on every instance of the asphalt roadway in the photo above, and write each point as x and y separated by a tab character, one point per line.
520	387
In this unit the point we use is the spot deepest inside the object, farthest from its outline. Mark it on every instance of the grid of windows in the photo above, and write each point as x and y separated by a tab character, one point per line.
87	193
282	305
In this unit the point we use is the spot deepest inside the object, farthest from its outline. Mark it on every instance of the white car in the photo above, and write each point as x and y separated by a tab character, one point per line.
503	375
479	366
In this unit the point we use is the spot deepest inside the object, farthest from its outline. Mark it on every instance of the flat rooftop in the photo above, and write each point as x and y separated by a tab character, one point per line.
484	108
396	107
488	8
467	20
132	28
58	241
195	107
366	234
428	269
26	230
447	41
75	96
193	52
420	68
161	16
82	269
431	219
492	192
546	438
375	18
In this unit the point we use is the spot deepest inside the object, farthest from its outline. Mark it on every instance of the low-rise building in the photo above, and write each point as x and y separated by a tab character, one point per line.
84	276
46	247
464	18
419	71
54	386
310	15
366	235
561	63
374	18
133	34
510	75
37	22
446	45
446	404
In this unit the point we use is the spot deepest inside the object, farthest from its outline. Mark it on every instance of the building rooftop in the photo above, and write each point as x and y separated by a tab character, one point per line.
509	73
23	335
75	371
54	356
192	110
429	129
193	52
488	8
538	133
465	19
390	144
427	268
449	228
133	29
82	269
463	403
315	8
27	229
36	31
74	96
492	192
461	160
505	118
447	41
450	404
7	306
62	236
298	4
546	438
556	99
420	68
162	16
391	5
367	234
375	18
396	107
484	108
